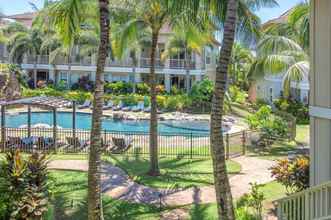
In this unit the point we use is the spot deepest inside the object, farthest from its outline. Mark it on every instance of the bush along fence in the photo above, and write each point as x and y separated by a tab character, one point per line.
188	145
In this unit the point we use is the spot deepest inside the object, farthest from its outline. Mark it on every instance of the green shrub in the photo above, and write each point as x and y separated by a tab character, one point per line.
118	87
299	110
142	88
293	174
161	101
78	96
202	91
24	189
129	100
237	95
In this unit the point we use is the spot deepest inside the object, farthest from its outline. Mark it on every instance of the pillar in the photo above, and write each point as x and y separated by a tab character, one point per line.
167	82
320	91
74	120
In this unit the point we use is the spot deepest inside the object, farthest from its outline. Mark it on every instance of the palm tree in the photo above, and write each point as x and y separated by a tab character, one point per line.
124	44
241	60
151	15
25	43
226	13
68	17
187	39
284	49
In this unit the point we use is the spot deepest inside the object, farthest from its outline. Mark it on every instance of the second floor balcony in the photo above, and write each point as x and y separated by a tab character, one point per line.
125	63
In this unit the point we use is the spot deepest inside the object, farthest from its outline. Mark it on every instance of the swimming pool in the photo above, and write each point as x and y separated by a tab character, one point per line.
83	121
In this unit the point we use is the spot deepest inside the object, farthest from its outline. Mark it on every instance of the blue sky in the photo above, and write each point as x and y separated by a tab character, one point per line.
19	6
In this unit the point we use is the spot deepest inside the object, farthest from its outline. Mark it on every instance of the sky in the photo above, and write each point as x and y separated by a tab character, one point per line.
9	7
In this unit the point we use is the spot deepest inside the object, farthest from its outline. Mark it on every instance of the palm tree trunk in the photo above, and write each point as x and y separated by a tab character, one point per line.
222	185
153	133
94	172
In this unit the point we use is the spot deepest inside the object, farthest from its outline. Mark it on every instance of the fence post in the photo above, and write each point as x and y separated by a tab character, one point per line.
191	145
244	142
3	128
104	143
227	144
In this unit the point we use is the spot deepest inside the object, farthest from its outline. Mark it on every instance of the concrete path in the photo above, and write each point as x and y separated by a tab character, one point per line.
117	184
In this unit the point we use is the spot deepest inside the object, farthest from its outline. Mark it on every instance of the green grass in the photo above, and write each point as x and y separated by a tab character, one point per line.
69	201
177	173
273	191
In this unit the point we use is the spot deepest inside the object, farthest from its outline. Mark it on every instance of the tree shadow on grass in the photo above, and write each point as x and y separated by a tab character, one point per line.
184	172
279	149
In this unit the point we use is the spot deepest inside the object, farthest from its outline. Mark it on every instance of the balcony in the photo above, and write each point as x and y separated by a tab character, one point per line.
88	61
311	204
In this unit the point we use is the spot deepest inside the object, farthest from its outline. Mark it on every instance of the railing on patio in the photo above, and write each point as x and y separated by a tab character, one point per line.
190	145
180	64
311	204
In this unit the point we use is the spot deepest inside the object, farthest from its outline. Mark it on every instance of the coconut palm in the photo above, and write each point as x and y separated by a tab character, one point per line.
25	43
226	13
284	49
187	39
128	45
241	60
68	16
151	15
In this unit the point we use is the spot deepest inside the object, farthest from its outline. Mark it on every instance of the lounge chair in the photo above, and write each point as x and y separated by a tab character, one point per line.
75	142
127	108
138	108
119	106
120	145
109	105
45	143
86	104
148	109
13	142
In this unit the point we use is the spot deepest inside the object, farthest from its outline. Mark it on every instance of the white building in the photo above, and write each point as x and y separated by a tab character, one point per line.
170	72
271	87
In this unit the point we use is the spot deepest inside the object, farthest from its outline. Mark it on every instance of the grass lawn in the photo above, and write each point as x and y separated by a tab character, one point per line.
272	191
281	149
176	173
69	201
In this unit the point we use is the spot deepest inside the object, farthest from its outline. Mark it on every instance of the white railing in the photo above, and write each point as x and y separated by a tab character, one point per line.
180	64
311	204
87	61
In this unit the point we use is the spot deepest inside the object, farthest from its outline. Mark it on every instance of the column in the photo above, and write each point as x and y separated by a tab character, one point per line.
320	91
167	82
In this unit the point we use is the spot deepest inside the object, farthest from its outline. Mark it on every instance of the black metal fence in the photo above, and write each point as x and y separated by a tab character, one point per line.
189	145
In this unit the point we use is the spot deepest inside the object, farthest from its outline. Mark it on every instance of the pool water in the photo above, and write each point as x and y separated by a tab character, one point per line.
83	121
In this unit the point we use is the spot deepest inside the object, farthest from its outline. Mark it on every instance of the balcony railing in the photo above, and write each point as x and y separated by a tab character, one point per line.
180	64
311	204
87	61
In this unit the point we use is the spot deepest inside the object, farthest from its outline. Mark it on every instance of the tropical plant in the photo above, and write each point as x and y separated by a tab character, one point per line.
151	16
241	60
24	188
293	174
284	49
68	18
225	13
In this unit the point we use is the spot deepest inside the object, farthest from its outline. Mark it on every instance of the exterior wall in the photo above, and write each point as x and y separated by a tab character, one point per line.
320	93
273	84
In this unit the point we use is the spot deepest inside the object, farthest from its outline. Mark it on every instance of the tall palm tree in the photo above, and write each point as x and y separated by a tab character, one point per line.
151	15
187	39
284	49
25	43
68	17
226	13
130	45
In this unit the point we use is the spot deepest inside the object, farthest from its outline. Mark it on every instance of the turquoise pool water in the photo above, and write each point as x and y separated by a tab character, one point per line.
83	121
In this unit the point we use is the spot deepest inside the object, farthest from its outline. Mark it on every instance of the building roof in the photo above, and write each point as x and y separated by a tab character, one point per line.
281	19
23	16
43	101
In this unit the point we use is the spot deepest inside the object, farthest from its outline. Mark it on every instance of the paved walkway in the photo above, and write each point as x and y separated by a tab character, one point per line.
117	184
